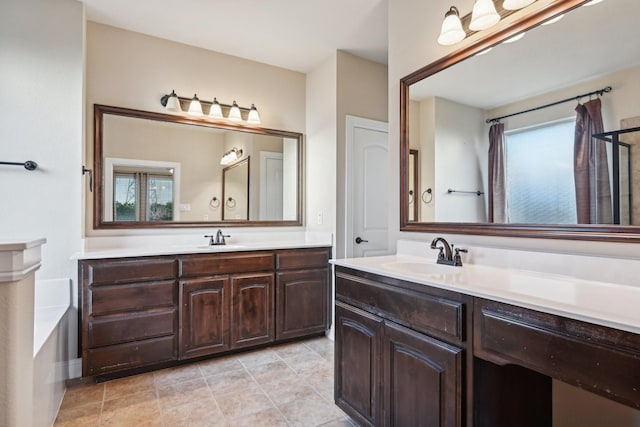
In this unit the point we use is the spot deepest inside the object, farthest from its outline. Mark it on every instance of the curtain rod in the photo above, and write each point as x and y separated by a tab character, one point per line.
575	98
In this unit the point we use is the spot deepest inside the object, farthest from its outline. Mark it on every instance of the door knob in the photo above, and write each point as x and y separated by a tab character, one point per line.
360	240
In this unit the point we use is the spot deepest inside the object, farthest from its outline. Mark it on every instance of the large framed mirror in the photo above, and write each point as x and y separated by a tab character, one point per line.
165	170
495	125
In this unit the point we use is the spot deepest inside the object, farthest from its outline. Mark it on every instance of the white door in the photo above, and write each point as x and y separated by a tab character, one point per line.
366	187
271	186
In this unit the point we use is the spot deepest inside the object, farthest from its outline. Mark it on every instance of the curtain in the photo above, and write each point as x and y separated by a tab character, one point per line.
591	167
497	184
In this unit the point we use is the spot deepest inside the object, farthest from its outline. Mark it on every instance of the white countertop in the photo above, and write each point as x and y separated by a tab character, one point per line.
607	304
120	252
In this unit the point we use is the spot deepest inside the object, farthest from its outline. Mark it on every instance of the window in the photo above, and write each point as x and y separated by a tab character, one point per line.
142	196
539	173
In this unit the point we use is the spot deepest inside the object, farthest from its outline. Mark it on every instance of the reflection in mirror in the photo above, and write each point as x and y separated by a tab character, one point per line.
156	170
413	185
539	162
235	191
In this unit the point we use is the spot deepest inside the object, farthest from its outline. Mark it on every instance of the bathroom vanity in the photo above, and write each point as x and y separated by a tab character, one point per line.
418	343
146	312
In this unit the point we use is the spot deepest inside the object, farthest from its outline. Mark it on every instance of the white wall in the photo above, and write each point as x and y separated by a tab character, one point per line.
41	81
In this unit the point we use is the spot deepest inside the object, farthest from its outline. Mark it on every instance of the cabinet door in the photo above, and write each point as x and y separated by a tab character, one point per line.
422	379
358	364
204	321
251	310
302	298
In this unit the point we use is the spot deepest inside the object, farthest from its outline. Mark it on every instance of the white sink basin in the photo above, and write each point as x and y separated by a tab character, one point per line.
421	268
226	247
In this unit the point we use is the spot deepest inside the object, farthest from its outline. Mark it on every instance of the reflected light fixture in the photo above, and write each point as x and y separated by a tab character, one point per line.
514	38
195	107
451	31
234	113
553	20
215	112
593	2
173	103
516	4
253	117
484	15
231	156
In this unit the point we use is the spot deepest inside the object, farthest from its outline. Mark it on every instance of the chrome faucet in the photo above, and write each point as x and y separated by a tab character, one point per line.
218	239
445	255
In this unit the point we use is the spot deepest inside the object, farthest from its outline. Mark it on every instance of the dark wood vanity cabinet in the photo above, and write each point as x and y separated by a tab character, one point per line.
302	292
129	313
391	366
147	311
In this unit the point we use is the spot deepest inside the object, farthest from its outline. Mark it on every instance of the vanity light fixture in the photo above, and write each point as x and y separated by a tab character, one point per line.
484	15
253	117
451	31
195	107
234	113
215	112
173	103
231	156
213	109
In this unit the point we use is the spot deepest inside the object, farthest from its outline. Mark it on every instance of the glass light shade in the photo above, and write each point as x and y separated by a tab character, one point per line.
234	113
254	117
514	38
516	4
195	107
173	103
484	15
451	32
215	112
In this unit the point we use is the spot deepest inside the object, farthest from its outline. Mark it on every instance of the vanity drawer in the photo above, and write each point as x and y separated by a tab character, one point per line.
130	355
133	296
602	360
420	311
109	330
209	265
301	259
129	270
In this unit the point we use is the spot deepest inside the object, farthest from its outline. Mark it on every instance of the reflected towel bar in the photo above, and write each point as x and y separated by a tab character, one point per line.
29	165
477	193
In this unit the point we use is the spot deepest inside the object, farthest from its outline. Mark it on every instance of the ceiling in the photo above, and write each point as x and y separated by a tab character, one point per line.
589	42
294	34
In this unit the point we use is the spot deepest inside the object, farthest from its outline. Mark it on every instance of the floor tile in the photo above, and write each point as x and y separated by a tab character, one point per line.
217	366
310	411
243	403
139	409
83	394
129	385
281	394
87	415
176	375
292	350
342	422
267	418
184	392
271	371
308	363
230	382
256	358
199	413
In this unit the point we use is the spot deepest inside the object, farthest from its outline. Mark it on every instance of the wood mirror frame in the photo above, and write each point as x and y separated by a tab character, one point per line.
98	195
596	232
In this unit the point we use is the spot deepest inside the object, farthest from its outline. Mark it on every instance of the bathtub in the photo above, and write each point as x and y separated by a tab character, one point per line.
52	311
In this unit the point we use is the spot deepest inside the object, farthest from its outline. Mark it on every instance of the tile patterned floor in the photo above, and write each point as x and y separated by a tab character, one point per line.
287	385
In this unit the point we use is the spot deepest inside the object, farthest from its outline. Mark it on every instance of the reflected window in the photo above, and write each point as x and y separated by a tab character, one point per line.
539	173
141	196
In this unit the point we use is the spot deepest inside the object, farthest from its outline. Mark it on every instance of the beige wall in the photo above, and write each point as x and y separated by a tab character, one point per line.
361	92
132	70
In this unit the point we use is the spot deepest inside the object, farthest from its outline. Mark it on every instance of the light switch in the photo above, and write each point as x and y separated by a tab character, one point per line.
319	218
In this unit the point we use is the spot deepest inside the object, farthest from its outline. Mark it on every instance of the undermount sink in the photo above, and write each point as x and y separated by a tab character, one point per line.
421	268
221	247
